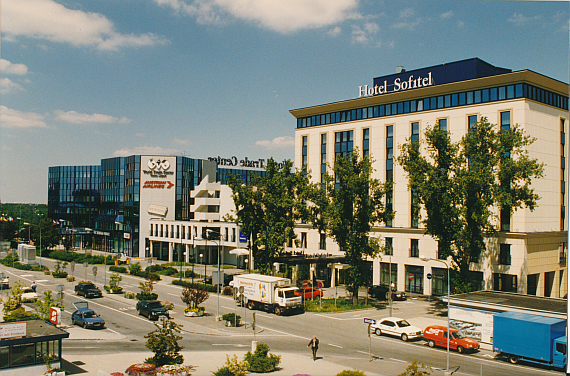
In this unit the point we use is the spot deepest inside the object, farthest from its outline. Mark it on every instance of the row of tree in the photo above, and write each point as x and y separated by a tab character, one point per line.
461	187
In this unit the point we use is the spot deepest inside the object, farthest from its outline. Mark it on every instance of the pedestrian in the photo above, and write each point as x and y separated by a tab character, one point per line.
314	345
34	286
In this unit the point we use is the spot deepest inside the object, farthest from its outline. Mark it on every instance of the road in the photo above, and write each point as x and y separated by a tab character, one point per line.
343	336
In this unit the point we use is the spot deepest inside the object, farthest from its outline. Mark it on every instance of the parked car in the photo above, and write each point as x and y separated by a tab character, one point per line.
29	295
395	326
381	293
86	317
4	282
152	309
88	290
436	335
227	279
309	292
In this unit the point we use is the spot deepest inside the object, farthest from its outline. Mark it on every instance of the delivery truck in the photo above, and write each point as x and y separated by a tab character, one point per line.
273	294
532	338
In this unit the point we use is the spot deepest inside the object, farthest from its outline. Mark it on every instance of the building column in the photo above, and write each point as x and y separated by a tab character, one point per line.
170	252
186	253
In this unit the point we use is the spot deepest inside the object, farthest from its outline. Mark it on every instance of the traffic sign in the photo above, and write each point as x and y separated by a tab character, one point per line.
411	276
429	276
369	321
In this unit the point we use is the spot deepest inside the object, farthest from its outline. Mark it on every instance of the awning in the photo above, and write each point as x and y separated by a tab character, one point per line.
240	252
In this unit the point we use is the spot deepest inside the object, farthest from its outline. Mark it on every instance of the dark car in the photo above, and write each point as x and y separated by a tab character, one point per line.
152	309
86	317
381	293
88	290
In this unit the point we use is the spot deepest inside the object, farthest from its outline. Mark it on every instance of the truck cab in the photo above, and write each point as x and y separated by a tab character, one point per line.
559	349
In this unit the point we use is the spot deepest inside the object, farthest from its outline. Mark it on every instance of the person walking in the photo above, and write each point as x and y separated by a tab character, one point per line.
314	345
34	286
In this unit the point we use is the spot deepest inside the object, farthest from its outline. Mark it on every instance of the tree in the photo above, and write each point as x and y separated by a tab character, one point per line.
48	302
48	231
417	368
268	210
14	299
163	342
194	296
347	210
464	187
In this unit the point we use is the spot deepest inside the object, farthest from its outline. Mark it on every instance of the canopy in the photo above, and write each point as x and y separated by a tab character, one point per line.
240	252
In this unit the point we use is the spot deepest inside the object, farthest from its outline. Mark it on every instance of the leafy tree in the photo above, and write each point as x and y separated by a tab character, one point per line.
14	299
347	209
20	314
463	185
261	360
48	302
270	208
48	232
147	287
163	342
233	367
417	368
194	296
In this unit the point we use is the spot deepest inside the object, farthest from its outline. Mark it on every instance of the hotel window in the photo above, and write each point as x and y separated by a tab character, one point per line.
323	241
505	118
414	248
505	121
471	122
304	240
304	154
442	124
323	158
415	209
505	254
389	170
343	143
415	132
389	247
562	174
233	234
365	142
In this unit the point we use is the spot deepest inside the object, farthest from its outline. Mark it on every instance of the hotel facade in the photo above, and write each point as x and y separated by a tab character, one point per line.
529	254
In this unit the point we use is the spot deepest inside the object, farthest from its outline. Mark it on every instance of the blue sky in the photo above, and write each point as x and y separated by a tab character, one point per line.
85	80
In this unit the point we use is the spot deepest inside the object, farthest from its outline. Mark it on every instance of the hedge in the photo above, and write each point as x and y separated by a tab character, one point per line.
178	282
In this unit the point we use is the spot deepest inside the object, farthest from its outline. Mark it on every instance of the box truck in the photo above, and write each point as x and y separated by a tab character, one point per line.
27	254
537	339
266	292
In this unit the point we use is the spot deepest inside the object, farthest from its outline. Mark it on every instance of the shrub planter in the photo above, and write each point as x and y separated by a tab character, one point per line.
70	279
59	275
194	312
117	290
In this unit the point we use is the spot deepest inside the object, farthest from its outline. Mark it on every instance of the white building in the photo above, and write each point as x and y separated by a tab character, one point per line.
529	255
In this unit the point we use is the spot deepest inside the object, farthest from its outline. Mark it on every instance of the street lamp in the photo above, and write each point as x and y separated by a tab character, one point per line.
201	260
29	225
208	231
424	258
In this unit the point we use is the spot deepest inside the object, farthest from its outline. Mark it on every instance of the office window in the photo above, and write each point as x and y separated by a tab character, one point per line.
414	248
343	143
415	132
365	142
304	152
323	158
389	247
303	240
323	242
505	120
389	169
442	124
505	254
506	219
471	122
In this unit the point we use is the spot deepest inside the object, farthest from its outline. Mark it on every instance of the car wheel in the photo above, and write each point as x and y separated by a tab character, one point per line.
138	311
513	359
460	349
404	337
84	325
378	332
278	311
431	343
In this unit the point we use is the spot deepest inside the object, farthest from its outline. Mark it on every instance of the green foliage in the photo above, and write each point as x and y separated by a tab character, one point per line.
346	211
328	305
208	288
135	268
351	373
12	261
461	185
233	318
48	302
261	360
233	367
114	281
14	299
417	369
146	289
20	314
163	342
269	210
193	296
117	269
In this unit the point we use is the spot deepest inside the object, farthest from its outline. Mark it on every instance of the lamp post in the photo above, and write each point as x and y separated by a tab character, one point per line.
201	260
217	284
448	295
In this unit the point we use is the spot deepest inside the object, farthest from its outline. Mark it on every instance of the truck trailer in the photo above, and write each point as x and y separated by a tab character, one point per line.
532	338
273	294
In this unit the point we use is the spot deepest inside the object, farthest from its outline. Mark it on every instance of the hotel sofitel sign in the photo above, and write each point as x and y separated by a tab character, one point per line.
397	85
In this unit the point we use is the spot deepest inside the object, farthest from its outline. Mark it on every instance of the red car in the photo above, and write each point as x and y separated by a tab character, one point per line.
309	292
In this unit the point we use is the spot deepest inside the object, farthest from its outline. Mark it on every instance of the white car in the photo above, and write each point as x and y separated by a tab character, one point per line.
396	327
29	295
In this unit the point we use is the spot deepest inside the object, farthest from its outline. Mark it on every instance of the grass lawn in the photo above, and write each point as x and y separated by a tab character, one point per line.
328	305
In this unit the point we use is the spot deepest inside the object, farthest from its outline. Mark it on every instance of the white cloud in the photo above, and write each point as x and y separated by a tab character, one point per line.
10	118
283	16
362	35
334	31
77	118
8	68
408	12
48	20
7	86
277	143
411	25
178	141
519	19
446	15
144	150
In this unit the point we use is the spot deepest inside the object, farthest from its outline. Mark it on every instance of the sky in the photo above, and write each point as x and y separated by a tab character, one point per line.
84	80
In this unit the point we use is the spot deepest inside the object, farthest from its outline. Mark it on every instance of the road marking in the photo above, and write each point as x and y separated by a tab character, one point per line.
330	344
338	318
173	294
25	275
398	360
111	330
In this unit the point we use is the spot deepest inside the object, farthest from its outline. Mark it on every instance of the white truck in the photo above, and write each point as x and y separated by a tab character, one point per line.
267	292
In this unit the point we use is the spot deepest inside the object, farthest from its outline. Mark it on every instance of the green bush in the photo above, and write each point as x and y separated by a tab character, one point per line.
135	268
209	288
154	268
169	271
188	274
347	372
152	296
224	371
261	360
59	275
118	269
233	318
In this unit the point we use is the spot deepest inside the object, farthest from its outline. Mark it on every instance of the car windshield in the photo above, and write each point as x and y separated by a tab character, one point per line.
89	286
289	293
457	335
154	305
88	315
403	323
